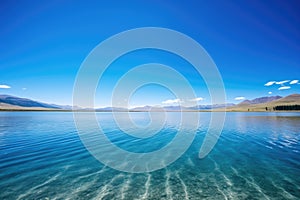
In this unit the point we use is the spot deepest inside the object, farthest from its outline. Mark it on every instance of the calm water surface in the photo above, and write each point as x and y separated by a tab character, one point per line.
256	157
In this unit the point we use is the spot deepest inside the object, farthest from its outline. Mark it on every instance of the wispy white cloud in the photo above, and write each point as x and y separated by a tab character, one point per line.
171	101
284	88
282	82
269	92
270	83
197	99
4	86
239	98
24	88
294	82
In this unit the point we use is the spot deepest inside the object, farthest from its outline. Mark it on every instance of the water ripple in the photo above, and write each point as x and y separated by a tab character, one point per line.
256	157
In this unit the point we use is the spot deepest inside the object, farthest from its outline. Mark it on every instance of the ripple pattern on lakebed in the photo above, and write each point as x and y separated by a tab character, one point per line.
256	157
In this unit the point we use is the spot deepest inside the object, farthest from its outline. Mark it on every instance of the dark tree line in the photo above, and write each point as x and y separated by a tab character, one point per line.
289	107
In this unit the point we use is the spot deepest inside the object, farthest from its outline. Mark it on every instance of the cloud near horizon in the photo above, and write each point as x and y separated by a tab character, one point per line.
294	82
284	88
171	101
269	92
282	82
282	85
197	99
239	98
4	87
270	83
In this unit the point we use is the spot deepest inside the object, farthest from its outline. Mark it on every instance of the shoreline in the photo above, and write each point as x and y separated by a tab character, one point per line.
56	110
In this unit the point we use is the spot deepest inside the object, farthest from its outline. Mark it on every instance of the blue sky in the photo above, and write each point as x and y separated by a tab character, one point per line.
43	44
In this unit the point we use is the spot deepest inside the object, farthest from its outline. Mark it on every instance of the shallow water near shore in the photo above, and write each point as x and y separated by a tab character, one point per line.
256	157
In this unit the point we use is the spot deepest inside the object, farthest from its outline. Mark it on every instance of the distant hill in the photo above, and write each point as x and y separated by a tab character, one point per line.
288	100
260	100
141	108
181	108
209	107
23	102
267	103
111	109
66	107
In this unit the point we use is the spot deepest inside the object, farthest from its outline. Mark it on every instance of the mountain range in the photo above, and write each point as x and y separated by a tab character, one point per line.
17	102
260	100
265	103
8	102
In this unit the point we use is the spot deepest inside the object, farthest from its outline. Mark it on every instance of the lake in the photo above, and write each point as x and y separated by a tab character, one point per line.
256	157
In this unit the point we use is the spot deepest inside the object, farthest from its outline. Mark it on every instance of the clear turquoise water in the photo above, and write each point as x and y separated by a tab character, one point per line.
256	157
